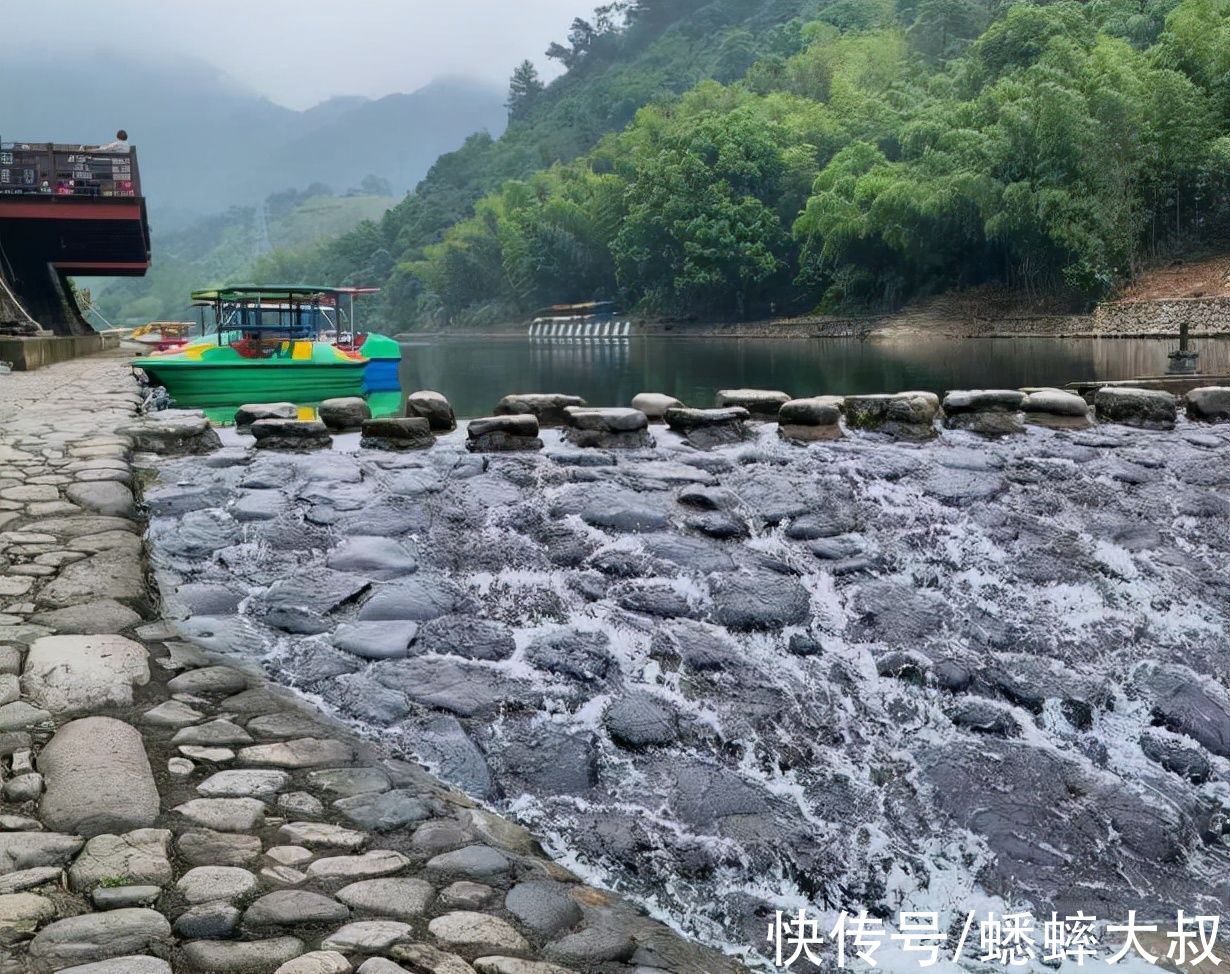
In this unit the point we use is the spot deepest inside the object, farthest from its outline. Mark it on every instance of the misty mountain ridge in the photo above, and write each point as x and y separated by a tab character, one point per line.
206	142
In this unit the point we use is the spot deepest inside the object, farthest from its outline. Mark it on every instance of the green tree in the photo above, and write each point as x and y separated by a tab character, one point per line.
524	90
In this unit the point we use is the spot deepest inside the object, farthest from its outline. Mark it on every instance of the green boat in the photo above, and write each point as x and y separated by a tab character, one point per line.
267	347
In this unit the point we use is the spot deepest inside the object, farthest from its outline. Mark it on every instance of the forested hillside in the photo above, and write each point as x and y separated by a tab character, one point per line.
844	154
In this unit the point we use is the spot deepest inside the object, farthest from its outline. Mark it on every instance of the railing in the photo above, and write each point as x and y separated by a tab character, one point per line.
52	169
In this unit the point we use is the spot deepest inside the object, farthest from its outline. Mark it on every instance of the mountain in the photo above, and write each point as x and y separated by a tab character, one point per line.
206	143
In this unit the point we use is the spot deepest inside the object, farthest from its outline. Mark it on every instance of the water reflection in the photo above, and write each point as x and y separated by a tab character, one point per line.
475	372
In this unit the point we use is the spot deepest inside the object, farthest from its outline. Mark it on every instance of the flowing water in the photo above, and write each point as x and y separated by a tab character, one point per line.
851	675
474	373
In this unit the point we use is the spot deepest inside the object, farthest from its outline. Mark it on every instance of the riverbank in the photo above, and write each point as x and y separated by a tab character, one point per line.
166	809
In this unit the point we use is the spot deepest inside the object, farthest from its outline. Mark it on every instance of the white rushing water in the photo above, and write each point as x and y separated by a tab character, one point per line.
861	675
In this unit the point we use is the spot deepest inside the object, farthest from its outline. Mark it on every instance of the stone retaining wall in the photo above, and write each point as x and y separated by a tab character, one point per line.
1203	316
26	354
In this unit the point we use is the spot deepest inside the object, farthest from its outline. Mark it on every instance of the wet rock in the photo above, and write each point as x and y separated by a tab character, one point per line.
291	435
697	645
414	599
904	415
1185	703
1056	408
547	759
432	407
478	862
239	957
399	434
985	717
1144	408
466	636
804	644
990	412
443	742
707	428
574	653
383	812
593	945
759	600
761	403
654	404
303	602
303	752
544	907
98	779
400	899
639	719
810	420
173	433
477	933
1175	756
97	936
452	685
550	409
245	416
607	429
1210	404
345	413
293	908
208	681
349	782
138	857
660	599
503	434
373	556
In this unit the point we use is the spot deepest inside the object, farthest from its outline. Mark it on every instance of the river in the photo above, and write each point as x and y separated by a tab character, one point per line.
474	372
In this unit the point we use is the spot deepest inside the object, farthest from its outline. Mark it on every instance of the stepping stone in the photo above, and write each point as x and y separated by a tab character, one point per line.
367	936
1143	408
305	752
316	834
654	404
380	862
503	434
706	428
401	899
243	784
317	962
239	957
477	932
548	408
810	420
205	884
224	814
123	965
348	782
140	857
205	848
214	733
276	727
65	674
397	433
208	680
98	779
172	713
472	862
293	908
762	403
384	812
98	936
434	408
376	640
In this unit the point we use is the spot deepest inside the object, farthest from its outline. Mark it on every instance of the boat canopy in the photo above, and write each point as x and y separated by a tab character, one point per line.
288	310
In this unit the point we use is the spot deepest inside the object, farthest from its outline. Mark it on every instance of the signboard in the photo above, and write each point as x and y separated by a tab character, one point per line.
65	171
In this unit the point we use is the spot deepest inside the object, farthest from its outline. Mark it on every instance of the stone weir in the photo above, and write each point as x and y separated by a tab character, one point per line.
163	812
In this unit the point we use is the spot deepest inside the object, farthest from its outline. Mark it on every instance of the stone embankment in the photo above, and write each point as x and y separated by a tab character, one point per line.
164	812
1162	317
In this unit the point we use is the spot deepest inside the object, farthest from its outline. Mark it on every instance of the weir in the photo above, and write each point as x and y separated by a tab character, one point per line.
65	211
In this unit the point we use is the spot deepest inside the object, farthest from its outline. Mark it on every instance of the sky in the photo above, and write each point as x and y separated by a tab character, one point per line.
300	52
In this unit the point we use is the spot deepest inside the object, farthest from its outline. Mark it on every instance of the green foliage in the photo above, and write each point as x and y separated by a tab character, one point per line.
713	156
524	90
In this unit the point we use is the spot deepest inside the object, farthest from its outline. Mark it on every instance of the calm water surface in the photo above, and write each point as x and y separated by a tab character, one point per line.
475	372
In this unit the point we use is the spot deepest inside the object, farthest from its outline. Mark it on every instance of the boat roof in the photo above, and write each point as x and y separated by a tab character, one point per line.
266	292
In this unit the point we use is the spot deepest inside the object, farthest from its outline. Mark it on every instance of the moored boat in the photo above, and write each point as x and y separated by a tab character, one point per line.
266	346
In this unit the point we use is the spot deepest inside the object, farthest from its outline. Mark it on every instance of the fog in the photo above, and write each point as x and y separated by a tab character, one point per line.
300	52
